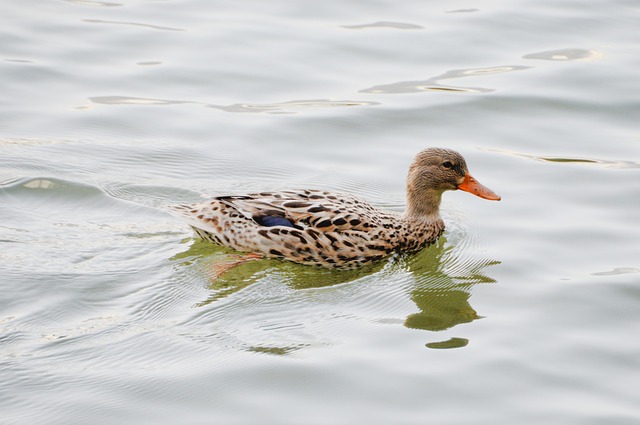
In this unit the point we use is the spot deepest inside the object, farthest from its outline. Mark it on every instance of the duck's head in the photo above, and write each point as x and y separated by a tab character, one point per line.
435	170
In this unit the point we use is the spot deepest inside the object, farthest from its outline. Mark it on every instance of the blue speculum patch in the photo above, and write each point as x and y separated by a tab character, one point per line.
270	221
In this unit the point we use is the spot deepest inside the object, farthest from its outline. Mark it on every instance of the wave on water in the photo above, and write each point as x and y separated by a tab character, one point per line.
290	107
434	83
608	163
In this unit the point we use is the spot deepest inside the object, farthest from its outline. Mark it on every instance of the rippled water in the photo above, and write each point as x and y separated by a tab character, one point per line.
112	110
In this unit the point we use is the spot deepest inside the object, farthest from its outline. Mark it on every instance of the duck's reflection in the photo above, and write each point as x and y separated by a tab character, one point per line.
442	285
237	278
438	280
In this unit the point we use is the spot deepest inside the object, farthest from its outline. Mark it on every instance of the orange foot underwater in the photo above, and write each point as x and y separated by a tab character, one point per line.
221	268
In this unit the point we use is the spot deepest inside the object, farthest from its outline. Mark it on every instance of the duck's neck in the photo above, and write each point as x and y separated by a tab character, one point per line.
423	206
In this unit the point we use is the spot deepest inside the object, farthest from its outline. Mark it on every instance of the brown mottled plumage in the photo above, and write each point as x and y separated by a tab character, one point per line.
333	229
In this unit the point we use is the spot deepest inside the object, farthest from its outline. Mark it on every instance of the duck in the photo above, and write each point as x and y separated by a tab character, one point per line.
334	230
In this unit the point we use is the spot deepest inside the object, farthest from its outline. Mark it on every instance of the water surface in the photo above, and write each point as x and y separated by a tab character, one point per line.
526	311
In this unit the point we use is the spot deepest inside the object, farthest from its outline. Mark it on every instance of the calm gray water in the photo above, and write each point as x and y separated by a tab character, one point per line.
111	110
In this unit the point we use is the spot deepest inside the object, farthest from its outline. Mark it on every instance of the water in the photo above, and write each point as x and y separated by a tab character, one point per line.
527	311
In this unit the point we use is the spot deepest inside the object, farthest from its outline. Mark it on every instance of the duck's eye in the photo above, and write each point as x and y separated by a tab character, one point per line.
447	164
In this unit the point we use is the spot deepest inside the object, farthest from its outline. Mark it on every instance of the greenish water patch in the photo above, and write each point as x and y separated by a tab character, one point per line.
448	344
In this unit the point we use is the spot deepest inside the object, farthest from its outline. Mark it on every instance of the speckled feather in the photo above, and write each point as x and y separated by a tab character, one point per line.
335	230
330	229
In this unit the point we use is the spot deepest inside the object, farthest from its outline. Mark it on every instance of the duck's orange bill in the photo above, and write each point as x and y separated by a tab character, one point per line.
471	185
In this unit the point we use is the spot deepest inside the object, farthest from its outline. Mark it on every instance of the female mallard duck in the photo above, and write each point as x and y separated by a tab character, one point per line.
333	229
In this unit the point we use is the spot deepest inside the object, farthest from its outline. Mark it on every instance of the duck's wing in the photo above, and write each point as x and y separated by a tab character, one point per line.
322	211
302	209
